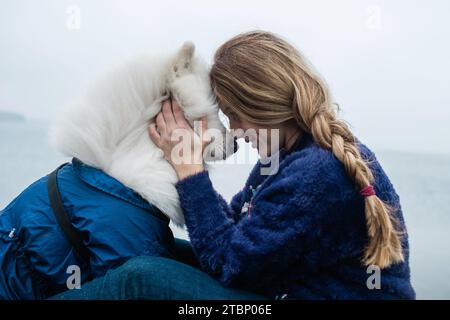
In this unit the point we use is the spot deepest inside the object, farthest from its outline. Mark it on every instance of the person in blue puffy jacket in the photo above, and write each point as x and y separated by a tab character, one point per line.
114	222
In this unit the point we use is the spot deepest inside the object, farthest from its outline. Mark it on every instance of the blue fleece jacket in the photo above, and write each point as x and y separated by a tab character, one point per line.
299	233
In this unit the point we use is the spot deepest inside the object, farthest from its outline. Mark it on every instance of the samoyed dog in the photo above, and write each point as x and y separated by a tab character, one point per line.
108	127
104	212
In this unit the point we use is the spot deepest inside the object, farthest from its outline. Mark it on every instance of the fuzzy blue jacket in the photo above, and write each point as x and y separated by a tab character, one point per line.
299	233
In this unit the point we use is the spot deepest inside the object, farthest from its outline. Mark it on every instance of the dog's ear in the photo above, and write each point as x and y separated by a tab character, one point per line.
183	59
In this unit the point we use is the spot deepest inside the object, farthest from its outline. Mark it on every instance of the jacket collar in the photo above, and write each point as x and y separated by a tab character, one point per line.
100	180
256	178
304	140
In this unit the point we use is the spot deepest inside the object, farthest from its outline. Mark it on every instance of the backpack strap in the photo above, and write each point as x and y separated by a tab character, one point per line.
63	218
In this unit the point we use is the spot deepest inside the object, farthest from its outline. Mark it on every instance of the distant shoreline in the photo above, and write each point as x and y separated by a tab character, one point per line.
11	116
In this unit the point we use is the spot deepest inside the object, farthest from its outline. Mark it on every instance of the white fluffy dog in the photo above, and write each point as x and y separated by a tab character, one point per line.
107	128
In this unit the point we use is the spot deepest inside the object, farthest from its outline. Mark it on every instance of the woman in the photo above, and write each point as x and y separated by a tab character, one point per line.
324	225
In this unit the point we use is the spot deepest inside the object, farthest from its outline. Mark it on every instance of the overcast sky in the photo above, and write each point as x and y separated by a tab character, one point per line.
387	62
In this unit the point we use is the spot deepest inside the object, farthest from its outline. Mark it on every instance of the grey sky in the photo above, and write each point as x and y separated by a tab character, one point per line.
386	61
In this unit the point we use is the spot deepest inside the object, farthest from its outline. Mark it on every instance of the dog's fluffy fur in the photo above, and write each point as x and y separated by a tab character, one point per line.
107	128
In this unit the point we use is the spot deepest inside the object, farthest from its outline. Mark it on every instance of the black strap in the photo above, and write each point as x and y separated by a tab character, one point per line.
63	218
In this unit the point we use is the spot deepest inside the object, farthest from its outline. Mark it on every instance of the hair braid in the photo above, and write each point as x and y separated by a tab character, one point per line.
384	247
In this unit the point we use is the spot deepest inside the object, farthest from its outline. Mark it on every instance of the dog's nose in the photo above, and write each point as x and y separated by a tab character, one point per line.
236	145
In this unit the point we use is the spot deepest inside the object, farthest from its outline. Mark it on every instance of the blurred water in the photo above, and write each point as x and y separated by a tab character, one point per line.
422	180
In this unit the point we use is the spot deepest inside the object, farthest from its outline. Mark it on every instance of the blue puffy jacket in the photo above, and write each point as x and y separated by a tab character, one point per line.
115	224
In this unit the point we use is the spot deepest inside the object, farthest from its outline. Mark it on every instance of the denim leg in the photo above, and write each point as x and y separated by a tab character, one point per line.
155	278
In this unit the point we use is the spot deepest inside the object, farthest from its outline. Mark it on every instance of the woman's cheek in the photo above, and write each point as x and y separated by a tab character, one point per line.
234	124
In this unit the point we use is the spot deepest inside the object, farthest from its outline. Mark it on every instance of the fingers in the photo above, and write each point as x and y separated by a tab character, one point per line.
204	123
178	114
154	135
160	122
167	113
206	138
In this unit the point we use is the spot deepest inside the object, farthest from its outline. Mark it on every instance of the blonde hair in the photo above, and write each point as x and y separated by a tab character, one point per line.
265	80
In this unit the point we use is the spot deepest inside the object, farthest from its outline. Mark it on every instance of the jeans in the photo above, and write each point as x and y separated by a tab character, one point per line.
158	278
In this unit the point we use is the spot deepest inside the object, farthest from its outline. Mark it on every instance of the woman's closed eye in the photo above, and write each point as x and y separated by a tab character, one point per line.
230	115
